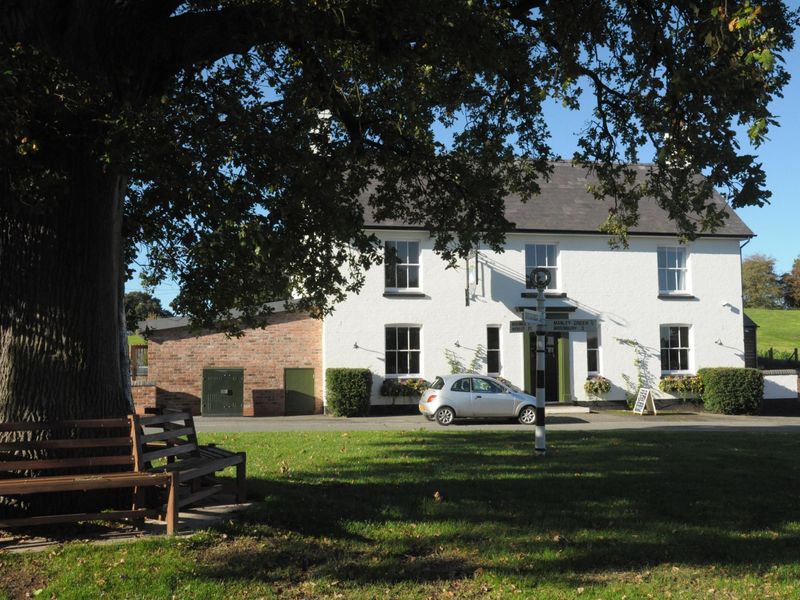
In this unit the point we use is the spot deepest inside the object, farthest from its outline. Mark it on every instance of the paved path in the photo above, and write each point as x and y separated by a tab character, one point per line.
558	419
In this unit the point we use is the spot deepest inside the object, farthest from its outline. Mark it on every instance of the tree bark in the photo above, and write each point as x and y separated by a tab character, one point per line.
60	268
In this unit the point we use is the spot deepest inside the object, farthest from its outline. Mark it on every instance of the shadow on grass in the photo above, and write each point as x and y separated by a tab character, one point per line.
425	506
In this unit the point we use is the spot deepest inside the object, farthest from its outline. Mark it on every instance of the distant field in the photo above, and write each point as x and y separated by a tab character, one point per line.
779	329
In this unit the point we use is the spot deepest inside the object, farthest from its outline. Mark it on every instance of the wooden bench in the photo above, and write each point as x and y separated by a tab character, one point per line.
76	450
167	443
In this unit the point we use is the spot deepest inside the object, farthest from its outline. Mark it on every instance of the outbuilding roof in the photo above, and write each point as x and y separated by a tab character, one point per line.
565	205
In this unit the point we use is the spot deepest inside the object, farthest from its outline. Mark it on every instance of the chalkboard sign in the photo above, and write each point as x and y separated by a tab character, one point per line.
644	398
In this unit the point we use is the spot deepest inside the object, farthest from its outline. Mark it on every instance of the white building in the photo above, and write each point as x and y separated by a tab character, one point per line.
678	306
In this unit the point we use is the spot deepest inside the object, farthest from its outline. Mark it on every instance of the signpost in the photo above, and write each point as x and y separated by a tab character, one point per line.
537	321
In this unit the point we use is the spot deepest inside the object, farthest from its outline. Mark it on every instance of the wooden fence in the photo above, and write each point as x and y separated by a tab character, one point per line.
138	354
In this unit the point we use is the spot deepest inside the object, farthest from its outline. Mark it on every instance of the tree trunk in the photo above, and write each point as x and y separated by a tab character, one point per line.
60	269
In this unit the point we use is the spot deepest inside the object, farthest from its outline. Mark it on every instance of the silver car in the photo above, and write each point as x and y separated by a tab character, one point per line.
470	395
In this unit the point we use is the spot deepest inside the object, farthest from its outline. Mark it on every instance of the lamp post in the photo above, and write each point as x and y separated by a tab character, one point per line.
540	278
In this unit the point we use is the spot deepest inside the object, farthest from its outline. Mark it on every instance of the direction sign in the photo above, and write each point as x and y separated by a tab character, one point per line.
566	325
519	327
532	317
554	325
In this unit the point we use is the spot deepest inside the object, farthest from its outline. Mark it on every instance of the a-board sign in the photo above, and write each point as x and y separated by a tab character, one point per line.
644	398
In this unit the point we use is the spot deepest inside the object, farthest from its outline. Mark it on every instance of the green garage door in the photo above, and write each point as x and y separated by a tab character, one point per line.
223	392
299	387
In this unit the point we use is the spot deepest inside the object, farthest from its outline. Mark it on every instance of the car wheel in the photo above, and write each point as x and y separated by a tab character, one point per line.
445	415
527	416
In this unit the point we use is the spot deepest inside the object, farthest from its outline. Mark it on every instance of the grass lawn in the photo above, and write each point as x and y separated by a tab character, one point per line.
466	514
779	329
136	340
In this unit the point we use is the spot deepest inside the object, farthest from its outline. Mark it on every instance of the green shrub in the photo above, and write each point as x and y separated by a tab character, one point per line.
682	385
348	391
597	386
403	387
732	391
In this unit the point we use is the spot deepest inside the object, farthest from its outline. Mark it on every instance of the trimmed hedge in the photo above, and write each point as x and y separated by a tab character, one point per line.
348	391
732	391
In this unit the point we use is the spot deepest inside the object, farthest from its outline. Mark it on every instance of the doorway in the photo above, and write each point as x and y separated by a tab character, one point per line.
556	366
298	385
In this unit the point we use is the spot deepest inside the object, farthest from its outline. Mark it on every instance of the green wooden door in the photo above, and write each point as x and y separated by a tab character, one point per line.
299	387
223	393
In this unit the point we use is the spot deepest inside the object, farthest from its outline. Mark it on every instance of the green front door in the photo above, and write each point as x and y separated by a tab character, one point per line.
299	387
223	393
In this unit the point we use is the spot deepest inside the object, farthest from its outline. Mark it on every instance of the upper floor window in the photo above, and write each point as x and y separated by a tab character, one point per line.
541	255
493	350
592	350
401	265
402	350
674	348
672	270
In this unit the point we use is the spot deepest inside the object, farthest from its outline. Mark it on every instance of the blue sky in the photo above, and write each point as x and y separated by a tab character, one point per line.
777	225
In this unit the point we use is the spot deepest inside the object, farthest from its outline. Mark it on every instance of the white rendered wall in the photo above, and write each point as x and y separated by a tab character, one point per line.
617	287
780	385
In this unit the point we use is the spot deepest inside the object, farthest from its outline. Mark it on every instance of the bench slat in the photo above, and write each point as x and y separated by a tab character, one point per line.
73	443
204	467
169	451
214	452
74	518
166	435
81	482
65	463
148	421
197	496
73	424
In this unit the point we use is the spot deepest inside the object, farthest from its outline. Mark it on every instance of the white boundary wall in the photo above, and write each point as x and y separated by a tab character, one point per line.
780	384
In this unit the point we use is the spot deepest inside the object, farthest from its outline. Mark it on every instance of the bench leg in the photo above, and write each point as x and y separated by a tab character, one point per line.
172	505
138	502
241	480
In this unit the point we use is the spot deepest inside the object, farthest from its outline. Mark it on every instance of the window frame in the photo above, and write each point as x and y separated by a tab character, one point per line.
496	350
596	351
397	350
687	348
555	268
684	251
407	265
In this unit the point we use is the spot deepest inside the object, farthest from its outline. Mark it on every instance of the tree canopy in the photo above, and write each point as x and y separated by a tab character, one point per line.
140	306
790	283
760	285
237	139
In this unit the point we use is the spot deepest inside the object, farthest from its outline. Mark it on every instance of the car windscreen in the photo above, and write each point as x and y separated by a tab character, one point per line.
509	385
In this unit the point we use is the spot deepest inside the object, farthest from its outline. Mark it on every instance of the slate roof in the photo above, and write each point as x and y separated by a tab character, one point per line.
565	205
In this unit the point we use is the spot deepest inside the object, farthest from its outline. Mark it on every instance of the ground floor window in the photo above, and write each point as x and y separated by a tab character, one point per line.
402	350
674	348
493	350
592	350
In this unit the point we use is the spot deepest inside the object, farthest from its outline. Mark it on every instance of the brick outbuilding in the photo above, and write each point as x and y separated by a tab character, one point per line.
265	372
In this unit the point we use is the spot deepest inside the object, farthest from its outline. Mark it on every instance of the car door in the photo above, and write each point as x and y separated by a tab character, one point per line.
459	397
490	399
